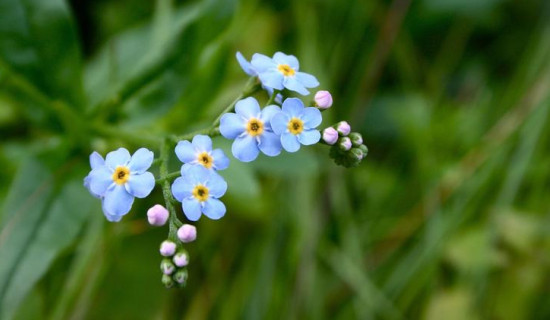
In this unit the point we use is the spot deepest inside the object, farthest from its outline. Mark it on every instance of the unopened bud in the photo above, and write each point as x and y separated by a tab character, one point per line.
323	99
364	149
157	215
356	139
187	233
343	127
344	143
181	259
167	248
181	276
167	281
330	135
167	267
357	153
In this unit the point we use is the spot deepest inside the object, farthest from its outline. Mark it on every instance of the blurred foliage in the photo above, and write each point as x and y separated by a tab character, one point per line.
447	218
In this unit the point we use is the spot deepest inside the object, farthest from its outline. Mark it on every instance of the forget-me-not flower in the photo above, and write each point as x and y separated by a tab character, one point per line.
245	65
199	152
282	71
251	130
119	179
296	124
198	190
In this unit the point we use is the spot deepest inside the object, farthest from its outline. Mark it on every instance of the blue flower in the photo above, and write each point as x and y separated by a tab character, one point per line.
296	124
119	179
198	190
249	70
251	130
281	72
200	152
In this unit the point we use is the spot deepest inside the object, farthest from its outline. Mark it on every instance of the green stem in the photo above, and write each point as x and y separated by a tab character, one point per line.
168	177
273	96
174	222
251	87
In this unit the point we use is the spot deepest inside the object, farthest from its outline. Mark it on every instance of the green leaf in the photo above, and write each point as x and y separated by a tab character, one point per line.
39	42
22	211
57	231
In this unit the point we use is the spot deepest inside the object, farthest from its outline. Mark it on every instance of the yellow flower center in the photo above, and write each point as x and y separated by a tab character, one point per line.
205	159
254	127
121	175
295	126
286	70
200	193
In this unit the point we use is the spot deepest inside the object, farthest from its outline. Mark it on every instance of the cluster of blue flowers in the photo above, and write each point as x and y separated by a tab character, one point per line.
285	123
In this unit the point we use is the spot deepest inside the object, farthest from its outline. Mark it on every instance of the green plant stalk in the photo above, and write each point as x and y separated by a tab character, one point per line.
174	222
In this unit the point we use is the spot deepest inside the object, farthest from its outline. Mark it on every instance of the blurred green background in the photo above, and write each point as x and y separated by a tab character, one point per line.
447	218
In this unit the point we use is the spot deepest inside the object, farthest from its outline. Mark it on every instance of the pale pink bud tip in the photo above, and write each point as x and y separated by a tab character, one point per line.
323	99
344	128
187	233
157	215
345	143
181	259
167	248
330	135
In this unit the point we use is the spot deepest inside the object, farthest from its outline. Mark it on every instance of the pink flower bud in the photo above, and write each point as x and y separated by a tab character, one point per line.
323	99
187	233
157	215
345	143
344	128
181	259
330	135
167	248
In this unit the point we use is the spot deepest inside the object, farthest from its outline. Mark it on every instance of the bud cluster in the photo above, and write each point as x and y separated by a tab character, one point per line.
176	259
347	147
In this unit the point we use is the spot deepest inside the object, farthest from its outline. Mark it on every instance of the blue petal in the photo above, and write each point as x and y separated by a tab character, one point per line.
182	189
312	117
279	123
87	186
290	60
100	180
221	161
141	161
202	143
191	209
290	142
117	158
216	185
140	185
110	217
291	83
245	148
270	144
293	107
309	137
268	112
196	174
262	63
307	79
96	160
214	209
245	65
185	152
248	108
273	79
232	125
118	201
